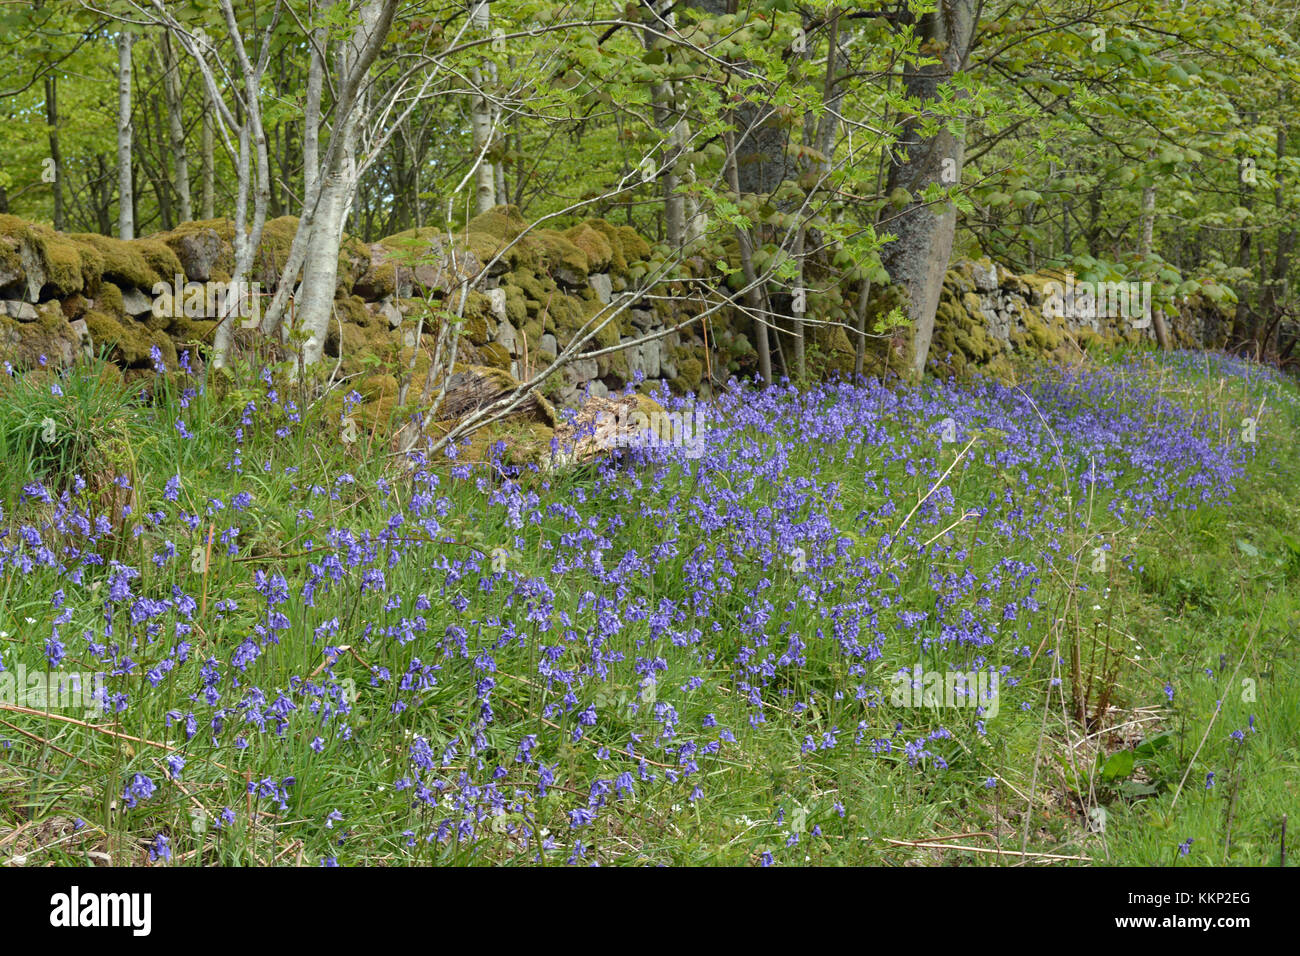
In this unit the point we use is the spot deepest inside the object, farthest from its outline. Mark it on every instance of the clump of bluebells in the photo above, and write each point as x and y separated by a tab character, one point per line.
515	662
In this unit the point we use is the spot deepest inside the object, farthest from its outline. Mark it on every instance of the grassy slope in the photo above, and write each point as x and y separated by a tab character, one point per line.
1212	605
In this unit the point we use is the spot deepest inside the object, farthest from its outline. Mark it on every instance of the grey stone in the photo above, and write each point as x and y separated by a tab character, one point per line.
497	303
604	288
580	371
508	337
548	347
986	277
646	358
81	331
22	311
567	277
135	302
389	310
198	252
643	318
598	389
27	278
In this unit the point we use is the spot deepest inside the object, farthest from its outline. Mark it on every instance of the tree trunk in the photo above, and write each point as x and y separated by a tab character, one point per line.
762	164
482	115
753	296
176	129
311	115
337	183
1145	245
56	155
485	179
125	193
666	120
918	259
798	305
206	163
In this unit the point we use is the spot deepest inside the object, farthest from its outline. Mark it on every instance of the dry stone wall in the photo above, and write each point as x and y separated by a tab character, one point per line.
64	295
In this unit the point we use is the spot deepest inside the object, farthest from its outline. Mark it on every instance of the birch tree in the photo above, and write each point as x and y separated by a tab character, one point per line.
125	192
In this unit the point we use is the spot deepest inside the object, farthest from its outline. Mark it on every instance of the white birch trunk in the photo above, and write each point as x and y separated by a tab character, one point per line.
485	180
311	117
208	172
125	194
337	184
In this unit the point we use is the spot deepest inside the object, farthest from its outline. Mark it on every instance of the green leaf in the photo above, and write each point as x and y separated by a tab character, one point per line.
1149	746
1118	766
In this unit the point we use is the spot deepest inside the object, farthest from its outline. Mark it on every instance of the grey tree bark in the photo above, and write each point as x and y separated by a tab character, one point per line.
56	153
482	118
125	192
176	128
1145	243
207	167
918	259
339	178
762	163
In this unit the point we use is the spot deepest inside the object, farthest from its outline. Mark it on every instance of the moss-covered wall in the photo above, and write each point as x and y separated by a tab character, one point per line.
537	291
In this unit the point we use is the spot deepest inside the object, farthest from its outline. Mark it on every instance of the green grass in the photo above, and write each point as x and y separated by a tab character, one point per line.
1216	592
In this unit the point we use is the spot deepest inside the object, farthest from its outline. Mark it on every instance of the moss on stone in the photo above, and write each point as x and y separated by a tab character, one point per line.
595	245
495	356
559	254
501	222
516	304
129	342
689	372
613	365
132	263
64	263
109	300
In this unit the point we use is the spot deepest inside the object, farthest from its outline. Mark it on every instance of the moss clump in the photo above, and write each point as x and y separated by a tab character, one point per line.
492	232
595	245
520	442
475	321
532	286
353	309
25	343
516	304
126	263
109	301
12	232
689	372
626	246
129	342
501	222
160	259
187	331
64	266
559	255
1044	338
494	355
69	265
